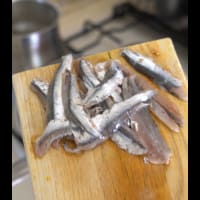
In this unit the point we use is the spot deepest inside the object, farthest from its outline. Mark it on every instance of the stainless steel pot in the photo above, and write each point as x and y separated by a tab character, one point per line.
35	39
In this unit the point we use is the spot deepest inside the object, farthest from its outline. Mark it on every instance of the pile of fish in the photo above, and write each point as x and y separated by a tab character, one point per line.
91	104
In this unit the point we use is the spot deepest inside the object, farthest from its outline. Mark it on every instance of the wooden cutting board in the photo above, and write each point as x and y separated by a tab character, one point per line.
107	172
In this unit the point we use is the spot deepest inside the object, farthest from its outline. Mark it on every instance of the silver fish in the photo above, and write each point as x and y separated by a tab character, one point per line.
155	72
113	78
82	139
148	133
55	105
41	89
55	130
111	116
151	139
121	137
57	123
101	68
76	108
162	107
125	137
161	113
88	76
90	81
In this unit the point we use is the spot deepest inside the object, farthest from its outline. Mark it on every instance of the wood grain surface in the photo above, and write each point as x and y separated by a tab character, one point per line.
107	172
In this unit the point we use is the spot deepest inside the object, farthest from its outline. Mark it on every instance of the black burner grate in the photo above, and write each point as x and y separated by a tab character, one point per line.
121	11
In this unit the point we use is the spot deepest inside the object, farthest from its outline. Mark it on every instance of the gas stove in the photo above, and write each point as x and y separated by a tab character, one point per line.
125	26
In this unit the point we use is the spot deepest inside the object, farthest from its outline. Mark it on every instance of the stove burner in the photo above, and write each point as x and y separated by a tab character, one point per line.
120	12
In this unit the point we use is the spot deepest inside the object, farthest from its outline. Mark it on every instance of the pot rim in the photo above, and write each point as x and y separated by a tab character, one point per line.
45	29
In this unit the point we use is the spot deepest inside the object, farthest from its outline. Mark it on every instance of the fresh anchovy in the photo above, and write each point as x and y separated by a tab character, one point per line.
151	139
100	71
127	93
90	81
161	113
112	79
122	137
58	124
162	107
41	89
158	110
55	130
88	76
155	72
82	139
125	137
55	105
147	130
76	108
111	116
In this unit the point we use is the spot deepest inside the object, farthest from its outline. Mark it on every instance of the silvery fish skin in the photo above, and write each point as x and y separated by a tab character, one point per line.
113	78
55	105
76	108
57	123
82	139
123	137
41	89
148	133
56	129
101	70
90	81
161	113
88	76
110	116
151	139
158	110
155	72
162	107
